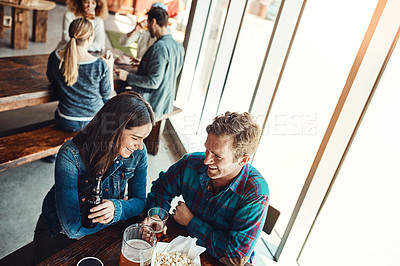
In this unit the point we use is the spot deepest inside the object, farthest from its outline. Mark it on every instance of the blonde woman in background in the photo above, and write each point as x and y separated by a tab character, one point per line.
95	11
83	82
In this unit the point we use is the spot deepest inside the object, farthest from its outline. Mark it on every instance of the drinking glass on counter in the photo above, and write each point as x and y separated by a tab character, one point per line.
157	219
90	261
138	244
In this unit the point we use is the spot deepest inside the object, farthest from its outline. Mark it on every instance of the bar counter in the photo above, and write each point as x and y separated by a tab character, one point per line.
106	245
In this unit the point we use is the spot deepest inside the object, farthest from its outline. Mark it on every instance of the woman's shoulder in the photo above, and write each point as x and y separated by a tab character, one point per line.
95	69
98	20
69	15
57	54
91	60
95	63
55	57
68	152
69	145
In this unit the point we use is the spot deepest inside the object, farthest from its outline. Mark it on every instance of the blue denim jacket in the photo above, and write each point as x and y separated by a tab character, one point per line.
63	204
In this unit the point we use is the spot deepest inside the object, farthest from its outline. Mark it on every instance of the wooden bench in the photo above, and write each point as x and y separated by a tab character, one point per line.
34	142
20	21
30	143
152	142
23	83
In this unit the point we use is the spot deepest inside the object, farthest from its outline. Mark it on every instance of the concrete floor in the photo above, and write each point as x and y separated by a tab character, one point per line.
24	187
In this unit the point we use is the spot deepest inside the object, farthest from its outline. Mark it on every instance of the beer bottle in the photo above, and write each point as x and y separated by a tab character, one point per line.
93	198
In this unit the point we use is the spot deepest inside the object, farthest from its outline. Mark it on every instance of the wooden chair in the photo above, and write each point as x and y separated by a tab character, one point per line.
272	217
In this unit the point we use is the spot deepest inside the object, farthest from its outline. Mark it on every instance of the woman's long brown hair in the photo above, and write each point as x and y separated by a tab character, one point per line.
100	140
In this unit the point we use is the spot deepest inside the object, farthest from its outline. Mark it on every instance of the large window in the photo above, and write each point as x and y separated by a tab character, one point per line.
304	72
231	51
248	55
360	218
306	98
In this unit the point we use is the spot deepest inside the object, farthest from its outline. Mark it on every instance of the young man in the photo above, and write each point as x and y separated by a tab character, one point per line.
225	197
159	67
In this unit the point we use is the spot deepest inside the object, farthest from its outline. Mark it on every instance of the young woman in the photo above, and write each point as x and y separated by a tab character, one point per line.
112	144
94	10
83	82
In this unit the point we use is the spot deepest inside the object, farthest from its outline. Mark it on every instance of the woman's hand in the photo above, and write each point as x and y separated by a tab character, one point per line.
109	59
139	26
103	213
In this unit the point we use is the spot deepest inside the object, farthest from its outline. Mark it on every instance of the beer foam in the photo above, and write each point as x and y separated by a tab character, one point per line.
132	250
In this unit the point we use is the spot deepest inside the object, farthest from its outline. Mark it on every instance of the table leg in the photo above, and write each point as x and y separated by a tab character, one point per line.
20	28
152	142
39	27
1	21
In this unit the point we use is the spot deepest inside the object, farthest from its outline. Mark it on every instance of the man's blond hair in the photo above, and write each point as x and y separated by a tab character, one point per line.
242	127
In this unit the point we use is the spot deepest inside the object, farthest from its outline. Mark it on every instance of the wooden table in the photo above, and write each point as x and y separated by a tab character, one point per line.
106	245
21	20
23	82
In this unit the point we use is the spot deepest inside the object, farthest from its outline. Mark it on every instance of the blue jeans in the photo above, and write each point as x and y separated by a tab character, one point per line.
69	125
45	245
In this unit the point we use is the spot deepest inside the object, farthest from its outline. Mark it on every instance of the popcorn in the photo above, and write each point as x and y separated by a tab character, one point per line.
173	259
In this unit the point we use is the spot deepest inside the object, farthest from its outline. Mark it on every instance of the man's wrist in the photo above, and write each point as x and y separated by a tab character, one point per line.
190	221
143	215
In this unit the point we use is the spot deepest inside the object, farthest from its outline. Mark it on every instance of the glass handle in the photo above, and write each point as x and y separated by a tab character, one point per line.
141	258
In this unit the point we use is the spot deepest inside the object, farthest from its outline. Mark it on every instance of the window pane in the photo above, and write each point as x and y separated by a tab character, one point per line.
250	50
359	221
192	95
307	95
208	54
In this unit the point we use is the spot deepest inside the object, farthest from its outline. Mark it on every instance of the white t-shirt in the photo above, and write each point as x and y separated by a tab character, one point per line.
99	33
143	39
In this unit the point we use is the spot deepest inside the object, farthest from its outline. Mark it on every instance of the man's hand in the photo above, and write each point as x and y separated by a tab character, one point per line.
127	60
147	221
182	215
135	61
122	74
103	213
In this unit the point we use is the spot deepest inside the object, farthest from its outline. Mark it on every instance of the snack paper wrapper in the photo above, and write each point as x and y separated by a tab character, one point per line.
185	245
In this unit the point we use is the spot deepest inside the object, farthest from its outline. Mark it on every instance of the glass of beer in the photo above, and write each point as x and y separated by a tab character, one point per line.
138	245
157	219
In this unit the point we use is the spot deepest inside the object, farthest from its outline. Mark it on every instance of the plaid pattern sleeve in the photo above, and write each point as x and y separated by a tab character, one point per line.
167	186
227	224
239	242
243	207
